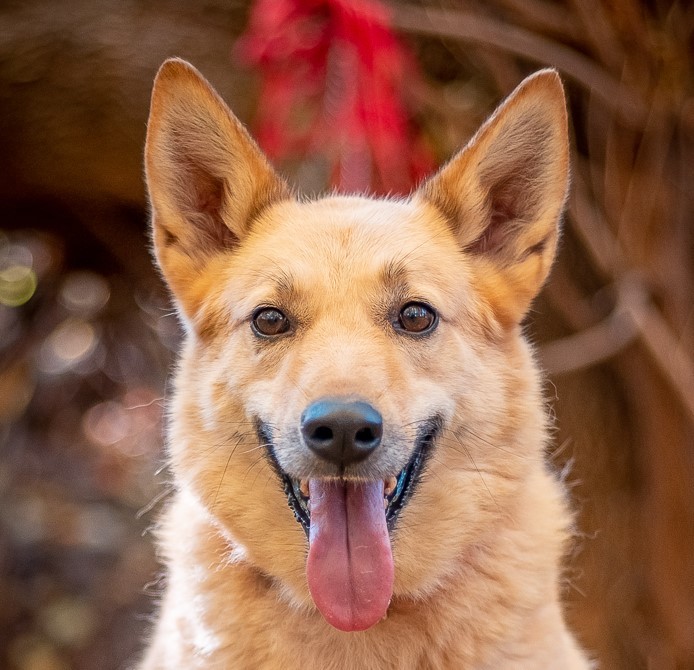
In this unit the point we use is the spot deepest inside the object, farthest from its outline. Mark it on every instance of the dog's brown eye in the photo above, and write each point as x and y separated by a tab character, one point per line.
416	317
269	322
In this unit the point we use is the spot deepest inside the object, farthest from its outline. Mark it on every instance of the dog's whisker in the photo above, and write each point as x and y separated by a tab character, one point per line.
219	486
491	495
489	443
255	480
167	491
298	388
428	471
231	453
213	447
161	468
252	465
456	445
256	448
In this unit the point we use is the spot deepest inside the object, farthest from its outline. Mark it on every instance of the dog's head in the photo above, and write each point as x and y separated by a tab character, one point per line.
355	405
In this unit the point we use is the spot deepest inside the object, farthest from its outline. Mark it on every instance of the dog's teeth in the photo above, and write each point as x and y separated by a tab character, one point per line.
390	485
303	487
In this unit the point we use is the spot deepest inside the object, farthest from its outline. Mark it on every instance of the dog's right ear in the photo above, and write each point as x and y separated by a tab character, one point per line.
206	177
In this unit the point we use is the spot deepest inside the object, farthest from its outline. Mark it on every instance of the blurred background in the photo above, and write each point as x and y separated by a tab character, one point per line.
88	337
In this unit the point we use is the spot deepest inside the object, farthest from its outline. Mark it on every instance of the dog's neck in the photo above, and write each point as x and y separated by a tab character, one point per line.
502	590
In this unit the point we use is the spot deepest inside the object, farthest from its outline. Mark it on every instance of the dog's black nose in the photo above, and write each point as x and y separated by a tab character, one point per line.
341	432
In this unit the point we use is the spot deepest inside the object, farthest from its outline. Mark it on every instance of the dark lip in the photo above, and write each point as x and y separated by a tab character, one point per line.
407	478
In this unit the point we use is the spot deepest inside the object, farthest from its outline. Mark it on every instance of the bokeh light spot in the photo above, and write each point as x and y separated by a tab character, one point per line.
72	342
84	293
106	423
17	285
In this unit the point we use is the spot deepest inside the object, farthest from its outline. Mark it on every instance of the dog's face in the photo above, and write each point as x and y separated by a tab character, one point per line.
354	406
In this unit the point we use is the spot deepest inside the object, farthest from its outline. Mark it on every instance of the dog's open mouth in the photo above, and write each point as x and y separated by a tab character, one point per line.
349	566
396	489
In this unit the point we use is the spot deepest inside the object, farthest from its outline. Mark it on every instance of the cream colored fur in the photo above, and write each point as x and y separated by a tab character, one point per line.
478	547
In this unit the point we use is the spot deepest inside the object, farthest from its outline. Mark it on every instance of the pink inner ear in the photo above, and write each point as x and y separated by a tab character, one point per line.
199	191
493	236
208	194
203	200
507	204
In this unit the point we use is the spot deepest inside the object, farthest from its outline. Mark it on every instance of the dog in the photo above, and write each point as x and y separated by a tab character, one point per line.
356	431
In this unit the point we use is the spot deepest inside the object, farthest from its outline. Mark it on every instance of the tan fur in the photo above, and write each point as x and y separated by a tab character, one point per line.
477	549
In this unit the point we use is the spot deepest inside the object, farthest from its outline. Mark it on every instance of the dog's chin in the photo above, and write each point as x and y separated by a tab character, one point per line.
397	487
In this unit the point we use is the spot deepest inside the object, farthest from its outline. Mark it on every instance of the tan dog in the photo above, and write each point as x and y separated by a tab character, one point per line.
357	429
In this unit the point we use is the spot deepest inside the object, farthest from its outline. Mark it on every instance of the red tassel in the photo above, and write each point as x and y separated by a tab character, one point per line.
333	76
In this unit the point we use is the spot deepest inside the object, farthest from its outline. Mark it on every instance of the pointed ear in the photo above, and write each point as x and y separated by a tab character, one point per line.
206	177
503	194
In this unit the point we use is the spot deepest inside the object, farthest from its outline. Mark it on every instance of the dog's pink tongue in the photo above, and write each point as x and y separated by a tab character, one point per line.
350	563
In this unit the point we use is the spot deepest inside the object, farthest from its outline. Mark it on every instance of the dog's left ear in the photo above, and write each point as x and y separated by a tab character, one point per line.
503	194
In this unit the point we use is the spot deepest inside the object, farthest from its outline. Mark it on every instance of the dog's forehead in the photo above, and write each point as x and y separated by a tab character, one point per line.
348	250
351	234
328	253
